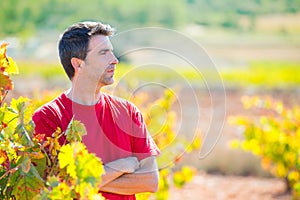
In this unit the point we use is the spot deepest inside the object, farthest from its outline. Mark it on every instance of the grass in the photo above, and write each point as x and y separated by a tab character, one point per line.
265	74
261	74
46	71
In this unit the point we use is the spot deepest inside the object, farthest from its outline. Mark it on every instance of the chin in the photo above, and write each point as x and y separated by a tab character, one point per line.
108	82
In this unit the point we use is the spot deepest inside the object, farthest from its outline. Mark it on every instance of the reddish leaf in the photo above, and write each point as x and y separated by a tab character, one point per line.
3	59
7	64
5	85
5	82
3	50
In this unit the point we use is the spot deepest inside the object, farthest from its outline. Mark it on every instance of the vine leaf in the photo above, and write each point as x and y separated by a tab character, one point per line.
5	85
25	165
75	131
12	67
24	137
7	64
67	158
29	183
5	82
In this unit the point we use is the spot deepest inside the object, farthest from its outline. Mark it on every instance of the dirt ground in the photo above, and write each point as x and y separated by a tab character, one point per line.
216	187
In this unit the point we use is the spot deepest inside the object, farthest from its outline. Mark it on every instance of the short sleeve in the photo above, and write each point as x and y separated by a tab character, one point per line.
45	123
142	143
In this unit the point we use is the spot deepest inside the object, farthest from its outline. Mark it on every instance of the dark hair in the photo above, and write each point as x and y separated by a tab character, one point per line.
75	40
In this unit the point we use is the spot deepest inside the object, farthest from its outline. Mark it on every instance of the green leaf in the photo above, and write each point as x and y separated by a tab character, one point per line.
183	176
28	184
24	137
75	131
30	128
178	179
53	181
22	108
25	165
40	165
3	110
89	168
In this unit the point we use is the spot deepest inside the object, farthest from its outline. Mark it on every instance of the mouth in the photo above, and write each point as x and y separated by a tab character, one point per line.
111	69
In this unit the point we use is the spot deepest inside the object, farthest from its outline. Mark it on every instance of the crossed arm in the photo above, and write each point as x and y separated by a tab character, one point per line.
129	176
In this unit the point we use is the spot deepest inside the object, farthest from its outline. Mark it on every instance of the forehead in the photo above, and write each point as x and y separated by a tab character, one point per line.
99	42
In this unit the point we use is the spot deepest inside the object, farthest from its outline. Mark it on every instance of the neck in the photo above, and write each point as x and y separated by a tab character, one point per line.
83	95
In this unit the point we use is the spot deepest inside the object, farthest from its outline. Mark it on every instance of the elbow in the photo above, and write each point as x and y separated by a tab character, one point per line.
154	188
154	183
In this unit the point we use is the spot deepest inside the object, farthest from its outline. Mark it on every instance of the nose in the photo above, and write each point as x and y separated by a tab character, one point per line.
115	60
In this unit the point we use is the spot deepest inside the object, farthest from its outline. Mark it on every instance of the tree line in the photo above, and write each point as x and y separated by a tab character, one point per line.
25	17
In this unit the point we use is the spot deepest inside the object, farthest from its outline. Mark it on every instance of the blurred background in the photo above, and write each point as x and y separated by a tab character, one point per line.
252	48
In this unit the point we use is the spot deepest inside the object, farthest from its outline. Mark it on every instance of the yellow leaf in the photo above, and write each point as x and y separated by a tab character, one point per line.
66	159
178	179
294	176
234	144
281	170
3	51
7	64
12	68
143	196
188	172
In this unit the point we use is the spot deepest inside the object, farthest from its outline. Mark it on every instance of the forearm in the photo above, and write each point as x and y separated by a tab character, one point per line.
144	179
117	168
133	183
110	175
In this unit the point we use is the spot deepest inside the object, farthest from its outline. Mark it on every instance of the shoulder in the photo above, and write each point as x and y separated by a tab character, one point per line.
118	101
123	106
113	99
49	109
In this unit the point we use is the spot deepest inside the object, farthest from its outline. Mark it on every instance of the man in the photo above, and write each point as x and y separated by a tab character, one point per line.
116	131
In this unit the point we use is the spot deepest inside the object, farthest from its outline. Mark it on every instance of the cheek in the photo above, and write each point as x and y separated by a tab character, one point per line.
109	58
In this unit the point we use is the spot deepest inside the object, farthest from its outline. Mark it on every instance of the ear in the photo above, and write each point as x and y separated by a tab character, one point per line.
76	63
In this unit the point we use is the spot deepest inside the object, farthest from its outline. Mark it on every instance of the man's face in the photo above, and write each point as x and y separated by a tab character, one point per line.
100	62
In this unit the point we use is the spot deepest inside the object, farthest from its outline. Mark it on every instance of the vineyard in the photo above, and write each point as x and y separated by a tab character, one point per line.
271	134
217	83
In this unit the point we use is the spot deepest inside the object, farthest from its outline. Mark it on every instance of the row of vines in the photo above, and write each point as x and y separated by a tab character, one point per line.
36	167
274	136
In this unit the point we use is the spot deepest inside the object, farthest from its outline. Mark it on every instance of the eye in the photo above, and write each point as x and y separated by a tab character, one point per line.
102	52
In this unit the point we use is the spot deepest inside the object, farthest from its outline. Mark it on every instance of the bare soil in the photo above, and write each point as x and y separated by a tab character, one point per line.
217	187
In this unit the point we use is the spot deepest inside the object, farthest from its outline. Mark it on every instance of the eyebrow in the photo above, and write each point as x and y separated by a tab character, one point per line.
105	50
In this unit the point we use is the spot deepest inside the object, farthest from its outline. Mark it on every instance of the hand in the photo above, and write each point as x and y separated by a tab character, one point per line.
126	165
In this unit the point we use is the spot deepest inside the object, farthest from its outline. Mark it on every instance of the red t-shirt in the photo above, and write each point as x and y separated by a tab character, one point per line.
115	128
